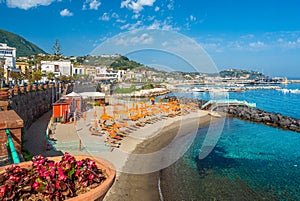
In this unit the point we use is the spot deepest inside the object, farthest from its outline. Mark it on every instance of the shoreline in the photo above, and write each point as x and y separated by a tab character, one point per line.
132	186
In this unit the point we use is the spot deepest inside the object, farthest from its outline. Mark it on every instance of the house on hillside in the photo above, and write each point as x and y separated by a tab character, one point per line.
8	60
57	67
103	74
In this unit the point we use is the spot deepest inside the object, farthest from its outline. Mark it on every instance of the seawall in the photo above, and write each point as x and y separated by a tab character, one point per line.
261	116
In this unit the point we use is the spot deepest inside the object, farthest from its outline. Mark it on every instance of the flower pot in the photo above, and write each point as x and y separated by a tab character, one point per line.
3	94
28	88
97	193
22	90
16	90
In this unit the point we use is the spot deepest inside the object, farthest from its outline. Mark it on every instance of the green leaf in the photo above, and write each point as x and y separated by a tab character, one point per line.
71	172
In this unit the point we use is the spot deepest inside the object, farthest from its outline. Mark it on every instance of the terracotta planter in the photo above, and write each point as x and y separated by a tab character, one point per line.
22	90
28	88
40	87
3	94
97	193
16	90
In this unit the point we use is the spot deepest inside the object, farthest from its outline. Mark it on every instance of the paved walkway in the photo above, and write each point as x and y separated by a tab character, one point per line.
35	137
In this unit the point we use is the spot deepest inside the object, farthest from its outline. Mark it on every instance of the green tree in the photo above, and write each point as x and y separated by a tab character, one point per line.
37	75
16	76
50	76
56	48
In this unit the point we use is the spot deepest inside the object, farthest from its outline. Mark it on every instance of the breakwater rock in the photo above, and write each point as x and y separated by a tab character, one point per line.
261	116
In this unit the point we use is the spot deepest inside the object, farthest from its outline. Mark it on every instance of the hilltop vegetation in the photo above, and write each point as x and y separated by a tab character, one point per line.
24	47
116	62
237	73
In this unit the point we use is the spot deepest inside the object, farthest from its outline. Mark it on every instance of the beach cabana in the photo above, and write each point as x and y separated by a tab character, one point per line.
62	109
78	99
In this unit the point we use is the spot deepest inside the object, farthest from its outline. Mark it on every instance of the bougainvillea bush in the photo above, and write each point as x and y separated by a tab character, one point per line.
49	180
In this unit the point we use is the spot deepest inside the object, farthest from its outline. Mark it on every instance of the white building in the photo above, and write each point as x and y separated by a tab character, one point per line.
104	74
57	67
9	55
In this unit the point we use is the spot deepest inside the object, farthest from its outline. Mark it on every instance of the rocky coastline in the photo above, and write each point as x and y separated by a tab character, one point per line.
260	116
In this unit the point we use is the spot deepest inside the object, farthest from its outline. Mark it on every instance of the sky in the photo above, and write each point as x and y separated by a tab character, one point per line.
259	35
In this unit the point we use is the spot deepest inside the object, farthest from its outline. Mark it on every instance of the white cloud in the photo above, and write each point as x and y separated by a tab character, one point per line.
105	17
156	9
120	21
115	15
136	5
108	16
66	13
91	4
143	39
154	25
171	5
130	27
136	40
192	18
257	44
135	16
27	4
163	25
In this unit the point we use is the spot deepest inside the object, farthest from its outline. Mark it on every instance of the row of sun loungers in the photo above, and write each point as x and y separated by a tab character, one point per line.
122	127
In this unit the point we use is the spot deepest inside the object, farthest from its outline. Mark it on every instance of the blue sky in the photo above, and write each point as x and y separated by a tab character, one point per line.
260	35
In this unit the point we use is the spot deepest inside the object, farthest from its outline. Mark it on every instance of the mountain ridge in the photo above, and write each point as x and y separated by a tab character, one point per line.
23	46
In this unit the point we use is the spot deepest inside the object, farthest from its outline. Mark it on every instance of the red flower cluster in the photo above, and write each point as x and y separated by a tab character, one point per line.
54	181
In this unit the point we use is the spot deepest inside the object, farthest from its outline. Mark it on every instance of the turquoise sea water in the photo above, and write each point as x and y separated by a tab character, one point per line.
250	161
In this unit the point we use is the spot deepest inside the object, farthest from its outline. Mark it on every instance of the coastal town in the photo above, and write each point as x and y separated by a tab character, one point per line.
149	100
107	105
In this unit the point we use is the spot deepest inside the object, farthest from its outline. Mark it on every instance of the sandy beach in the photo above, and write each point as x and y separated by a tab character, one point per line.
146	186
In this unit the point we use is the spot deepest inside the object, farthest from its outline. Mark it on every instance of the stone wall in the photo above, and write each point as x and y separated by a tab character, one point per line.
32	102
30	106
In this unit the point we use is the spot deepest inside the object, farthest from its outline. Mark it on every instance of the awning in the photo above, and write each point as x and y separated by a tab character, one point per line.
94	95
73	94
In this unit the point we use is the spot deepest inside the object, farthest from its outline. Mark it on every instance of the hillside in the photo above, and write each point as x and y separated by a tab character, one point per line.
24	47
236	73
116	62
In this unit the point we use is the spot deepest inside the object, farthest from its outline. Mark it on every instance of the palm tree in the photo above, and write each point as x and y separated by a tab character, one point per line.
37	75
50	76
16	76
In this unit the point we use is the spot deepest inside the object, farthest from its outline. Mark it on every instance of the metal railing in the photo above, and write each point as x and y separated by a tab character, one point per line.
13	151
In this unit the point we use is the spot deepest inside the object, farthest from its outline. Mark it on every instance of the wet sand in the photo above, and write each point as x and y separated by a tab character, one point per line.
145	186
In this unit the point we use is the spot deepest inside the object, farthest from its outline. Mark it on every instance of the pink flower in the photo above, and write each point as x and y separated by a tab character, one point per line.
61	175
35	185
2	190
77	172
91	176
79	164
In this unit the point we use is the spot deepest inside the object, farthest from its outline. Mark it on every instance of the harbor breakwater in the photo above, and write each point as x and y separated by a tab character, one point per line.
261	116
251	114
